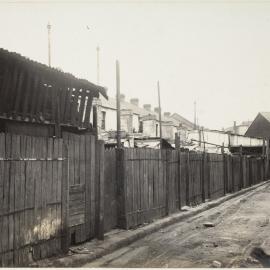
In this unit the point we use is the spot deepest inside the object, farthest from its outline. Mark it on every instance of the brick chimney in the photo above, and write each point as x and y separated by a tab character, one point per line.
234	127
134	101
122	97
167	114
156	109
147	107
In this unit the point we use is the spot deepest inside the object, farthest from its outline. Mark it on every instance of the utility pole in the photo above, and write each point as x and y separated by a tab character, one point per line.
98	65
195	115
159	111
49	43
118	135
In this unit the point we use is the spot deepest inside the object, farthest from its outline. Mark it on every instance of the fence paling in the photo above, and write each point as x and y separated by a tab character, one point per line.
32	205
159	182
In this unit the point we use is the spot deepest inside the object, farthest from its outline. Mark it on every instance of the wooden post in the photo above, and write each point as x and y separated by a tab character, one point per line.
203	177
241	184
267	158
159	111
121	189
187	179
224	169
65	241
208	175
118	118
100	229
168	181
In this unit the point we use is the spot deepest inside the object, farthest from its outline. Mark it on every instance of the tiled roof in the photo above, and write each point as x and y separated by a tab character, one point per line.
111	104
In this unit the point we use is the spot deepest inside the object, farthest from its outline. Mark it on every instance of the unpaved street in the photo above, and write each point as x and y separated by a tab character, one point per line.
239	227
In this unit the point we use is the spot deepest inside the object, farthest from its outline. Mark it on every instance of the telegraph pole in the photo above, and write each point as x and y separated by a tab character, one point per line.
195	115
118	135
159	111
49	43
98	65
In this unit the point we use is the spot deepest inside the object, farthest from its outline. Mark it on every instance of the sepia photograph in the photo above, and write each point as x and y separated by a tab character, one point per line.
135	133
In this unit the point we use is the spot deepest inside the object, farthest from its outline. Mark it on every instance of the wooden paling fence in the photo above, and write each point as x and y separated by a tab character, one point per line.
85	203
33	198
154	183
58	192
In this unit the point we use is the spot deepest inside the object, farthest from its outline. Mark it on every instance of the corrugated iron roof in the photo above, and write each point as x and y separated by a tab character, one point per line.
48	73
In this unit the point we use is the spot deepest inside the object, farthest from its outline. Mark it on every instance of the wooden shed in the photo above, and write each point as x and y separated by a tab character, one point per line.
42	101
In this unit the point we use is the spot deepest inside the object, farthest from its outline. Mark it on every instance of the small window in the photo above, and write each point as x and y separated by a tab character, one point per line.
103	117
141	127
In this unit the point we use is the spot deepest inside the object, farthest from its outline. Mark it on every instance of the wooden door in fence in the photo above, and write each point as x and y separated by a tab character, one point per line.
83	186
33	198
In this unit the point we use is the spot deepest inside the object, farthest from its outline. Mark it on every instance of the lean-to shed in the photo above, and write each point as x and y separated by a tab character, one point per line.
44	99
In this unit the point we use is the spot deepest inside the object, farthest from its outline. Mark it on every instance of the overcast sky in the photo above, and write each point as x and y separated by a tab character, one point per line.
214	52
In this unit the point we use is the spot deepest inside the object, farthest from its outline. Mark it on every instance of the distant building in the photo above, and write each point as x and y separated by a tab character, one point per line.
239	129
260	127
136	121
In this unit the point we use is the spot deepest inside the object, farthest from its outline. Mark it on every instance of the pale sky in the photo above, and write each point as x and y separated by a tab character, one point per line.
214	52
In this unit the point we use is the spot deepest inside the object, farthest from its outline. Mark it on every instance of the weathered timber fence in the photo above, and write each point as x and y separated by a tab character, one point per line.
86	200
33	198
56	192
155	183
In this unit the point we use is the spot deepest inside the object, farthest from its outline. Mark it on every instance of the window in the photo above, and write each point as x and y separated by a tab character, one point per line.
141	127
103	116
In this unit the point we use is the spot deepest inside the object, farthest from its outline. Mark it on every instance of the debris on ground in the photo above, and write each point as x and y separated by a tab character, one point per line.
264	223
216	264
185	208
208	224
79	250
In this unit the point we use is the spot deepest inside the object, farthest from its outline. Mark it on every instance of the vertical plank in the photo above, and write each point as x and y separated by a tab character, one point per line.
93	159
101	191
65	201
87	185
121	188
2	184
9	154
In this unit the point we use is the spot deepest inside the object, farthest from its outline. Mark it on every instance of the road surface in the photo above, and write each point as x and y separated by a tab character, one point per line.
233	238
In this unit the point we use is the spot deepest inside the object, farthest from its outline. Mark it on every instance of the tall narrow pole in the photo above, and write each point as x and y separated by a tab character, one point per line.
159	111
49	43
98	64
195	115
118	104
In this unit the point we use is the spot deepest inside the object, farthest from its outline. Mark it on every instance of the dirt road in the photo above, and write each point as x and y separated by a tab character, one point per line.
233	238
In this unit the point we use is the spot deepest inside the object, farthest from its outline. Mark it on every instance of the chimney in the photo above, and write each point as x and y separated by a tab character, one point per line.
234	126
122	97
147	107
156	109
167	114
134	101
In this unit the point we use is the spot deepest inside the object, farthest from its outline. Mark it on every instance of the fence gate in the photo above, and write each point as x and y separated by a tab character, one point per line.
33	201
83	186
